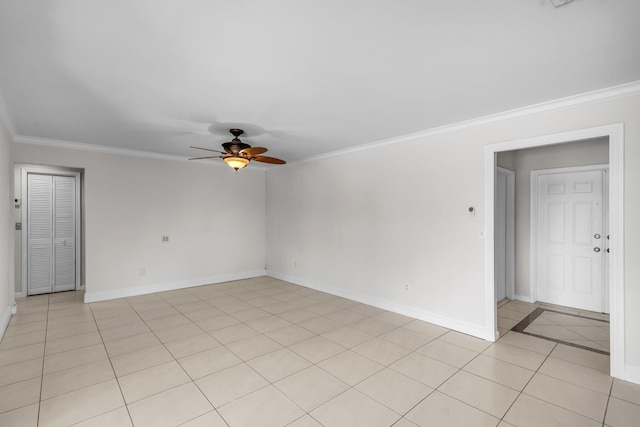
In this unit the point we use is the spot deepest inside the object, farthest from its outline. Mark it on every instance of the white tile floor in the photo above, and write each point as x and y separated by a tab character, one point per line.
262	352
577	330
568	325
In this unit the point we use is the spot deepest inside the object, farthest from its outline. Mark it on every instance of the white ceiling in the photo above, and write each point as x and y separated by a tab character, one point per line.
302	77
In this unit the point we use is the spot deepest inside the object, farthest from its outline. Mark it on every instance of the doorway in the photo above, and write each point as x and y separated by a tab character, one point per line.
614	134
51	230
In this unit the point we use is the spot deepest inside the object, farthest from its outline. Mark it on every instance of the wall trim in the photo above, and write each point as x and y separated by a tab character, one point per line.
57	143
436	319
523	298
613	92
169	286
81	146
632	373
4	321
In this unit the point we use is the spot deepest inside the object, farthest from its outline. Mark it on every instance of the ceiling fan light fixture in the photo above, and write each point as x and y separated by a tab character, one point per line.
236	162
238	154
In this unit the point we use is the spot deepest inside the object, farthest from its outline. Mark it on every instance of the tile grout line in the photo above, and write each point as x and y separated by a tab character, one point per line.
112	368
538	312
269	383
521	392
193	381
557	342
606	408
461	369
44	352
400	373
567	382
312	364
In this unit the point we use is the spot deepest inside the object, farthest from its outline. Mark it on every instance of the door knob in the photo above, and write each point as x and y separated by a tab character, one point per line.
596	249
607	250
597	236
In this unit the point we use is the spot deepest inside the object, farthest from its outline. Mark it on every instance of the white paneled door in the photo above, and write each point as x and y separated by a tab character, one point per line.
51	227
571	239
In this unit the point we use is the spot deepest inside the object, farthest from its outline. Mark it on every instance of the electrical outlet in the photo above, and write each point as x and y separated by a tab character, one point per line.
164	239
406	287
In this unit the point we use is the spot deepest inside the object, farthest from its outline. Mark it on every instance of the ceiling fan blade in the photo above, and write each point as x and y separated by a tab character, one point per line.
267	159
208	157
207	149
252	151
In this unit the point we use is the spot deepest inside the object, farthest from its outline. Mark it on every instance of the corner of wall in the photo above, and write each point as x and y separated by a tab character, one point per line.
4	320
436	319
632	373
90	297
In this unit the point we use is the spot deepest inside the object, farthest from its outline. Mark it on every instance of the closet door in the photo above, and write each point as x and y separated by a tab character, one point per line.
39	228
51	238
64	233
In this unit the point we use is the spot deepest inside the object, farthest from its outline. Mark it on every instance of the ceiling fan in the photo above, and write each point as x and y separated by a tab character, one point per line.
238	154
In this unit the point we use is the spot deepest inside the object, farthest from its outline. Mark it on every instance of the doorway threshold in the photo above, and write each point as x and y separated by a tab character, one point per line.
574	330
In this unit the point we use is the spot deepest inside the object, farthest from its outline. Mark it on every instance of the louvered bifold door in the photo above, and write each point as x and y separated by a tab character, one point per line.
64	233
51	233
39	244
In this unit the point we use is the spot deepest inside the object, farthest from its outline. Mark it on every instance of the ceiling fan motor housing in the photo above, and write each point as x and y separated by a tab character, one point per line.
234	146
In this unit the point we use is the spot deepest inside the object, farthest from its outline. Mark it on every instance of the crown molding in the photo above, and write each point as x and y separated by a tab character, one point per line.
599	95
48	142
34	140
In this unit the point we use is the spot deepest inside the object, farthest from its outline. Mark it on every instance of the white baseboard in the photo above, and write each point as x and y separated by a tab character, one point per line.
436	319
632	373
4	321
523	298
90	296
19	294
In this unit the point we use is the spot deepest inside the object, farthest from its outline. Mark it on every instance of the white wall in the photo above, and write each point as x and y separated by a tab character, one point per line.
367	223
6	233
214	217
522	162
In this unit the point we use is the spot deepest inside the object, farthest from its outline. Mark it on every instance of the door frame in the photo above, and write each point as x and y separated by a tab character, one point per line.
510	231
615	133
533	283
59	171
